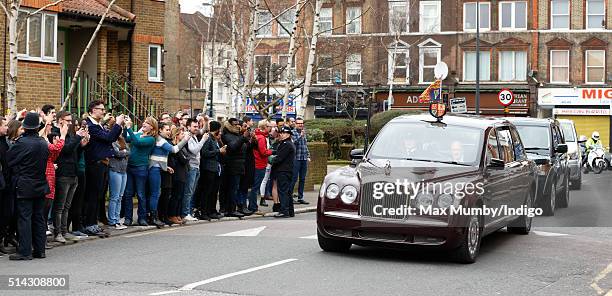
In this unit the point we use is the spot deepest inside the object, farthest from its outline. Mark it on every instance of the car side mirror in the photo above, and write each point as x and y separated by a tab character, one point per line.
496	163
356	154
561	148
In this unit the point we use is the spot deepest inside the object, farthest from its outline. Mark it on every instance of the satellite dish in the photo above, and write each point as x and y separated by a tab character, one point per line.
441	71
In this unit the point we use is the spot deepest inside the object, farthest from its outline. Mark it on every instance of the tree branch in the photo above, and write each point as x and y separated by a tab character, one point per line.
5	10
45	7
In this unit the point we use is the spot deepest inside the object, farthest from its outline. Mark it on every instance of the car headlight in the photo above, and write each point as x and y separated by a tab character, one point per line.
332	191
445	201
349	194
424	200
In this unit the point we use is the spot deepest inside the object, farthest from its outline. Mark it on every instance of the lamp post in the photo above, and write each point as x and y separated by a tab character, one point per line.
191	77
477	57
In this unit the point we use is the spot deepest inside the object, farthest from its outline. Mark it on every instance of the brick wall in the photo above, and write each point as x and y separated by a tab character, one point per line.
112	49
38	84
317	168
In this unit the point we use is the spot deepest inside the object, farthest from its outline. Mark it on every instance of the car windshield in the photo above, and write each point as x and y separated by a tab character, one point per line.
568	131
430	142
534	137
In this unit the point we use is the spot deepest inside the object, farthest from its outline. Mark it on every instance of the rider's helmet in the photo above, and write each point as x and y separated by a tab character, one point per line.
582	138
595	136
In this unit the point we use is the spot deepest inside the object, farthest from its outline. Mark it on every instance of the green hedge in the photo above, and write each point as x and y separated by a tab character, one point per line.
336	132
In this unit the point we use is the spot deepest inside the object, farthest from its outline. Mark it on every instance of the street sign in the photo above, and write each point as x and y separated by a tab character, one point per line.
441	70
458	105
505	97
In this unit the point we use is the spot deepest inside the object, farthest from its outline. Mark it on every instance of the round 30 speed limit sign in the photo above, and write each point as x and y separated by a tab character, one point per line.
505	97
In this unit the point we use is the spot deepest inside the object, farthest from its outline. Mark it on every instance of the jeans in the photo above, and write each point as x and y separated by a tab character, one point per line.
154	189
65	189
97	173
76	207
259	176
284	180
136	184
117	182
266	183
190	185
31	225
300	168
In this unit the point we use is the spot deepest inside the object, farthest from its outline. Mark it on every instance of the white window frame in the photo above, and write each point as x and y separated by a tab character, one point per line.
438	18
356	21
360	69
482	29
330	69
514	74
586	67
400	3
43	57
422	49
401	48
513	17
287	72
159	77
464	65
281	32
256	70
552	66
331	21
586	13
553	15
258	34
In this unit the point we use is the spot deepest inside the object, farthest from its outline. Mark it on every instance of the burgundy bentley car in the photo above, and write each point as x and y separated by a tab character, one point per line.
426	182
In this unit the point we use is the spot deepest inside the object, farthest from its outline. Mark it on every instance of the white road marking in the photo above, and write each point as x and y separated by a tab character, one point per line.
246	232
544	233
599	277
192	286
152	232
314	236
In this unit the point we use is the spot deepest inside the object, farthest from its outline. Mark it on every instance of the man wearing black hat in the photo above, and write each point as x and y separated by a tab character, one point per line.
27	159
282	172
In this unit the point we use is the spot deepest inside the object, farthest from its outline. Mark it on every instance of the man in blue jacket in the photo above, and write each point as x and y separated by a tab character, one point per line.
97	154
27	160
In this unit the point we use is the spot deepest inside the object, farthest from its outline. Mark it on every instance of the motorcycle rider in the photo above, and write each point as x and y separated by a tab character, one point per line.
592	142
582	145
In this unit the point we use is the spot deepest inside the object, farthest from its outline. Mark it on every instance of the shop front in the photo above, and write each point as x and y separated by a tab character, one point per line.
589	108
489	105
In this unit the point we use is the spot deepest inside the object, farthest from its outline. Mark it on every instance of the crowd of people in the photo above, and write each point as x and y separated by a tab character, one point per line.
59	171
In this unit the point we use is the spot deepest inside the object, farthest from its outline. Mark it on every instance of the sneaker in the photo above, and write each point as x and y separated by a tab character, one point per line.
80	234
49	233
60	239
70	237
120	227
302	202
190	218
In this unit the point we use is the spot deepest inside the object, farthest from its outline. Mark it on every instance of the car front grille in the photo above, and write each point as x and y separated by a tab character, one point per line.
368	202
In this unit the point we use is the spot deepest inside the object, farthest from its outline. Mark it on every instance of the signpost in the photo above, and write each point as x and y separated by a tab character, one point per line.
458	105
505	98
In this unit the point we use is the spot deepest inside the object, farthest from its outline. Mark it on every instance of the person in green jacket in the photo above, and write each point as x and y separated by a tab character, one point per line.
141	144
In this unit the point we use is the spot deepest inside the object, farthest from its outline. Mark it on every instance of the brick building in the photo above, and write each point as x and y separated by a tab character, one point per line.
396	44
124	66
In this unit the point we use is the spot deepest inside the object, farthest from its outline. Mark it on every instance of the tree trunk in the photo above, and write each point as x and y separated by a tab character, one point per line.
290	63
11	84
233	56
250	55
311	58
78	69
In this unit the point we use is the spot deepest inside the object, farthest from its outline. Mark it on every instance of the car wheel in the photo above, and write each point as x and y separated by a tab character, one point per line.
332	245
564	199
470	242
577	184
522	225
549	205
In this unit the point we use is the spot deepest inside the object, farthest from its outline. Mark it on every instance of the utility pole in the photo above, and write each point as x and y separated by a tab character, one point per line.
191	77
477	57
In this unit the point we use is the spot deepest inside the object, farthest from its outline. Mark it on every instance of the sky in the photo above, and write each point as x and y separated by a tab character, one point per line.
191	6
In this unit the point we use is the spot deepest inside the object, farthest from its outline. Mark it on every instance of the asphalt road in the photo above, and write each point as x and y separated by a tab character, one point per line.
568	254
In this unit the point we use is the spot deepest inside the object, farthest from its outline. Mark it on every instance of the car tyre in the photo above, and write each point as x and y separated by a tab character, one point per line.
577	184
470	242
332	245
522	225
549	204
564	199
